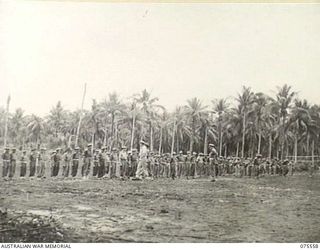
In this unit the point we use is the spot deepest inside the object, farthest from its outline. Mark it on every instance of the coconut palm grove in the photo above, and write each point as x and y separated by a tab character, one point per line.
281	126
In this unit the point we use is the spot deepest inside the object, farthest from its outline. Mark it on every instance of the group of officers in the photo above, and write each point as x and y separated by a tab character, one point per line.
124	164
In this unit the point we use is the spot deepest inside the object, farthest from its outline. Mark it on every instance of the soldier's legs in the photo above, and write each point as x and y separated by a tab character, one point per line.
88	169
57	169
5	167
12	169
75	165
95	168
101	170
32	169
43	169
64	170
67	170
23	169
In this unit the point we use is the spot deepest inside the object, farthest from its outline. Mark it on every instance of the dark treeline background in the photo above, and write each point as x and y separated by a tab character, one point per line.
275	126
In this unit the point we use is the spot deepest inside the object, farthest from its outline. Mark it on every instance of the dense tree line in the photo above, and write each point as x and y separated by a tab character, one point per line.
250	123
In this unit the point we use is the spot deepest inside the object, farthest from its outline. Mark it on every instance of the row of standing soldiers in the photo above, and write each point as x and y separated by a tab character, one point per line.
104	164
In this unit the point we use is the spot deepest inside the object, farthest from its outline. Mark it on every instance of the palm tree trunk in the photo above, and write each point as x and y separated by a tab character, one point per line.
173	133
220	147
243	134
220	139
177	139
270	145
205	147
105	136
6	122
92	143
151	137
225	150
81	114
259	142
308	142
160	143
312	145
295	148
112	124
132	132
237	152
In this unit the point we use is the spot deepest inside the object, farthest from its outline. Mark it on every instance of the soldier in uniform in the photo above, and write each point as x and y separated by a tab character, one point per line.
256	165
151	161
33	160
180	165
41	163
95	163
102	162
123	155
193	166
107	164
188	164
114	163
291	168
285	168
173	165
56	162
134	161
199	165
23	164
75	162
87	159
142	170
156	166
267	166
66	162
6	162
212	165
13	162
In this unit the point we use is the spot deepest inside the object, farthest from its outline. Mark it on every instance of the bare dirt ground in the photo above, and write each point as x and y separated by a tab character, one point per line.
269	209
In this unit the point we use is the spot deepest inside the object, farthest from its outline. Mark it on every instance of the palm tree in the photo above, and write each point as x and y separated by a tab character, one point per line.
298	120
220	107
208	129
17	125
150	107
284	99
194	110
245	100
113	107
35	127
57	118
261	113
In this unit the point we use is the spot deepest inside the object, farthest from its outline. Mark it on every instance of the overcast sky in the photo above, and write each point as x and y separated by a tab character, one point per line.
48	50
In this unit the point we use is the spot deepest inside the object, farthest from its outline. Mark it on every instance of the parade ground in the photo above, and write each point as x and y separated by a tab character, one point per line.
268	209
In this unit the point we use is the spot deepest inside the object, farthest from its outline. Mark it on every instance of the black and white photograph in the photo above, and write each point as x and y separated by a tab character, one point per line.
150	122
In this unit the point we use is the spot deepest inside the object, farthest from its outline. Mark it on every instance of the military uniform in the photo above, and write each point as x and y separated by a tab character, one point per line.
134	161
181	163
102	163
123	155
66	163
6	162
114	163
143	158
87	159
33	160
173	166
23	164
13	162
75	162
95	163
41	163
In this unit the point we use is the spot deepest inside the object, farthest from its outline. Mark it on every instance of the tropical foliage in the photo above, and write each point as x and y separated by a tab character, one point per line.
275	126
